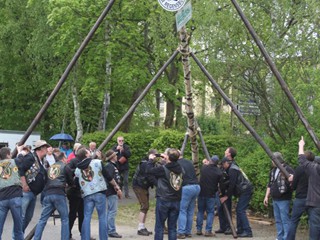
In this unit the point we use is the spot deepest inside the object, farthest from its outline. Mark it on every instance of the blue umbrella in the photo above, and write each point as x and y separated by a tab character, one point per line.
62	137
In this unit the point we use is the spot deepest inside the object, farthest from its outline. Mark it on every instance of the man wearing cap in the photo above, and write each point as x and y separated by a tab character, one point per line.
112	194
240	187
190	192
280	191
33	178
210	177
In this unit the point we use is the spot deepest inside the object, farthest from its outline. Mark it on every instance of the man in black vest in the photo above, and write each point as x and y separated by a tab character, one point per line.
55	198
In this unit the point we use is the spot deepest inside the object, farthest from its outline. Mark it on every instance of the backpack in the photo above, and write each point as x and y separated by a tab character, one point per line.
140	177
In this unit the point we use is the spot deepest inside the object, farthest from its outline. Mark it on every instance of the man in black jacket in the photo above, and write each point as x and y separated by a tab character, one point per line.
141	183
33	179
112	194
123	154
190	192
240	187
168	193
210	177
300	185
313	195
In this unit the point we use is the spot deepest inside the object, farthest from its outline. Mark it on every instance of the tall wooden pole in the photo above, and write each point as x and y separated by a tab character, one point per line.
64	76
277	74
192	130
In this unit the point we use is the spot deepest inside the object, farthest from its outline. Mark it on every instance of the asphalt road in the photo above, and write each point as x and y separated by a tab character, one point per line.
52	229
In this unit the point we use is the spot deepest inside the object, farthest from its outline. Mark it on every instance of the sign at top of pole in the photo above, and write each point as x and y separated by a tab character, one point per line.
183	16
172	5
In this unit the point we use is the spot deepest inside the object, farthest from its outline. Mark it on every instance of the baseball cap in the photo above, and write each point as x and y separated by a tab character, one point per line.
214	158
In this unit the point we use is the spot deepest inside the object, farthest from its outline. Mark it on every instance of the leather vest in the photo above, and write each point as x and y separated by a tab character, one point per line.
56	175
91	179
9	175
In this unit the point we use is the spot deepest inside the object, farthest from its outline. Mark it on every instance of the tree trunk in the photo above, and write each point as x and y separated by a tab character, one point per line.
126	125
77	115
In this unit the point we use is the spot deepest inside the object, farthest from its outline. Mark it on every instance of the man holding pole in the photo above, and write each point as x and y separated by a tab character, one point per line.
313	196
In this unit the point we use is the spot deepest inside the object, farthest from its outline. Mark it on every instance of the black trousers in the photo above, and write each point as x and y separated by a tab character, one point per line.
75	210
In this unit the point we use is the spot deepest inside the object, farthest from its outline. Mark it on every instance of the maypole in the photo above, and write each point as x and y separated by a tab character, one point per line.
192	128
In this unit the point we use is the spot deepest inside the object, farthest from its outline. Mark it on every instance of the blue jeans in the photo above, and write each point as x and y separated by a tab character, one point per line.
243	225
49	204
98	201
166	210
223	220
314	223
205	204
187	204
14	205
298	208
112	202
281	215
28	205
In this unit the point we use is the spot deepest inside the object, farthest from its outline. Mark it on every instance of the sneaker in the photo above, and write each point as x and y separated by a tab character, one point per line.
228	231
91	238
245	235
181	236
188	235
114	235
199	232
143	232
209	234
219	231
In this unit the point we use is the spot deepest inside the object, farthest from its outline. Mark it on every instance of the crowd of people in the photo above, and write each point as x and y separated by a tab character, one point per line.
90	179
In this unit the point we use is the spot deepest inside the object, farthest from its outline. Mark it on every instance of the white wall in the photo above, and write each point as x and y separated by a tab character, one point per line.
13	137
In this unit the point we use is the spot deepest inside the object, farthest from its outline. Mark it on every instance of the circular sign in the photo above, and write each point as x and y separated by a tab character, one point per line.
172	5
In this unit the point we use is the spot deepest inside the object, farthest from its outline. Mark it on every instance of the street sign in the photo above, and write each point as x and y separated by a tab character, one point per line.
183	16
172	5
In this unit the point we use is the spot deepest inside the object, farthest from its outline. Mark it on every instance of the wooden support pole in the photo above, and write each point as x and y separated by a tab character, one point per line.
138	100
277	74
238	114
64	76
